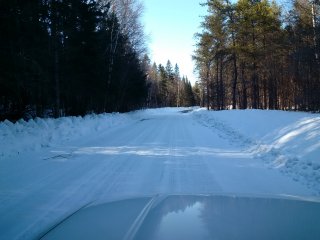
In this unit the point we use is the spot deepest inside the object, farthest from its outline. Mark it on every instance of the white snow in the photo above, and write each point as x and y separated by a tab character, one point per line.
33	135
49	168
289	141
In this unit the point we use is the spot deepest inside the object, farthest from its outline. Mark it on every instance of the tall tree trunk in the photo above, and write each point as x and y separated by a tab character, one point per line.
56	62
114	37
217	95
221	86
315	40
244	103
57	82
235	82
208	84
234	56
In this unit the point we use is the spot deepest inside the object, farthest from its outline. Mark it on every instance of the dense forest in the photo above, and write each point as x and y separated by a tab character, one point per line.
166	87
256	54
74	57
70	57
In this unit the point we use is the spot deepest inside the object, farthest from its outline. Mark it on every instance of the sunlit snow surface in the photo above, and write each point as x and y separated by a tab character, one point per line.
51	168
289	141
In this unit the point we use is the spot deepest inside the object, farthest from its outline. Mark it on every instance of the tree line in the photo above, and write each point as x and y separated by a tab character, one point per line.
70	57
253	54
166	87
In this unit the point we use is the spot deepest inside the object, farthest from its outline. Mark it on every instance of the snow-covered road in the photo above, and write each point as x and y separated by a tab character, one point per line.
158	152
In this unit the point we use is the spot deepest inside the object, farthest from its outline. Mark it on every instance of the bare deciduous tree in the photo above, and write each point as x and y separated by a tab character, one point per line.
129	13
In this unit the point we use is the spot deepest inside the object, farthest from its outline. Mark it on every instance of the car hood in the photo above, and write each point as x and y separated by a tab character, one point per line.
187	217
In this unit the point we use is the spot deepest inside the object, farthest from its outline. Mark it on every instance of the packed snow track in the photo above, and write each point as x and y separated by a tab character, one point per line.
167	151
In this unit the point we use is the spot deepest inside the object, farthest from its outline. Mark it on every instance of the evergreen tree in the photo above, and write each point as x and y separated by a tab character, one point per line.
247	56
166	88
62	58
177	84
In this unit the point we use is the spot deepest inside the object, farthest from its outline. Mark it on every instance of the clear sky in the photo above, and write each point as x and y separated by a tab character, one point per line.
171	25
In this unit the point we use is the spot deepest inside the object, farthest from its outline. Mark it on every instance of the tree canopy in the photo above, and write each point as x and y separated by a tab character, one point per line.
252	54
68	57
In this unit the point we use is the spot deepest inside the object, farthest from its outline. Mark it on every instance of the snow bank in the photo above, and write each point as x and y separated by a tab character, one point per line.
35	134
26	136
289	141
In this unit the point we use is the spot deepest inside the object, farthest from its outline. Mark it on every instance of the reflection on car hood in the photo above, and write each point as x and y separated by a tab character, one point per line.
193	217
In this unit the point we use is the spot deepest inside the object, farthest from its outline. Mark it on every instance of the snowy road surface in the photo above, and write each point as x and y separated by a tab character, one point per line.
158	152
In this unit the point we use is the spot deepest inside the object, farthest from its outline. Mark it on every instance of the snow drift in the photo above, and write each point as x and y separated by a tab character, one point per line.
50	168
25	136
289	141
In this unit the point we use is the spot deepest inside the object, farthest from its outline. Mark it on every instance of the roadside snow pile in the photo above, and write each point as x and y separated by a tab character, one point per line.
289	141
35	134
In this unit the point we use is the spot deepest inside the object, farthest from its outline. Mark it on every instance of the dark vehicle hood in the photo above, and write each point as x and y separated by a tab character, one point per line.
193	217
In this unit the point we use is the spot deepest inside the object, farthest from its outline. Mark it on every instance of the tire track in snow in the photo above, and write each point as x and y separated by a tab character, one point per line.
165	153
65	195
269	155
223	130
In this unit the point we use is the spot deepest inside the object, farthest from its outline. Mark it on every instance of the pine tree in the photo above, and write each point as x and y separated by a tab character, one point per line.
248	57
177	84
56	56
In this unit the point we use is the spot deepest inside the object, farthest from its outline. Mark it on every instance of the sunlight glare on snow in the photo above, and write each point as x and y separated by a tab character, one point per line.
163	151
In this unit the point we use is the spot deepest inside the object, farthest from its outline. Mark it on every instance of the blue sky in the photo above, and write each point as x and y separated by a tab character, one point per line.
171	25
